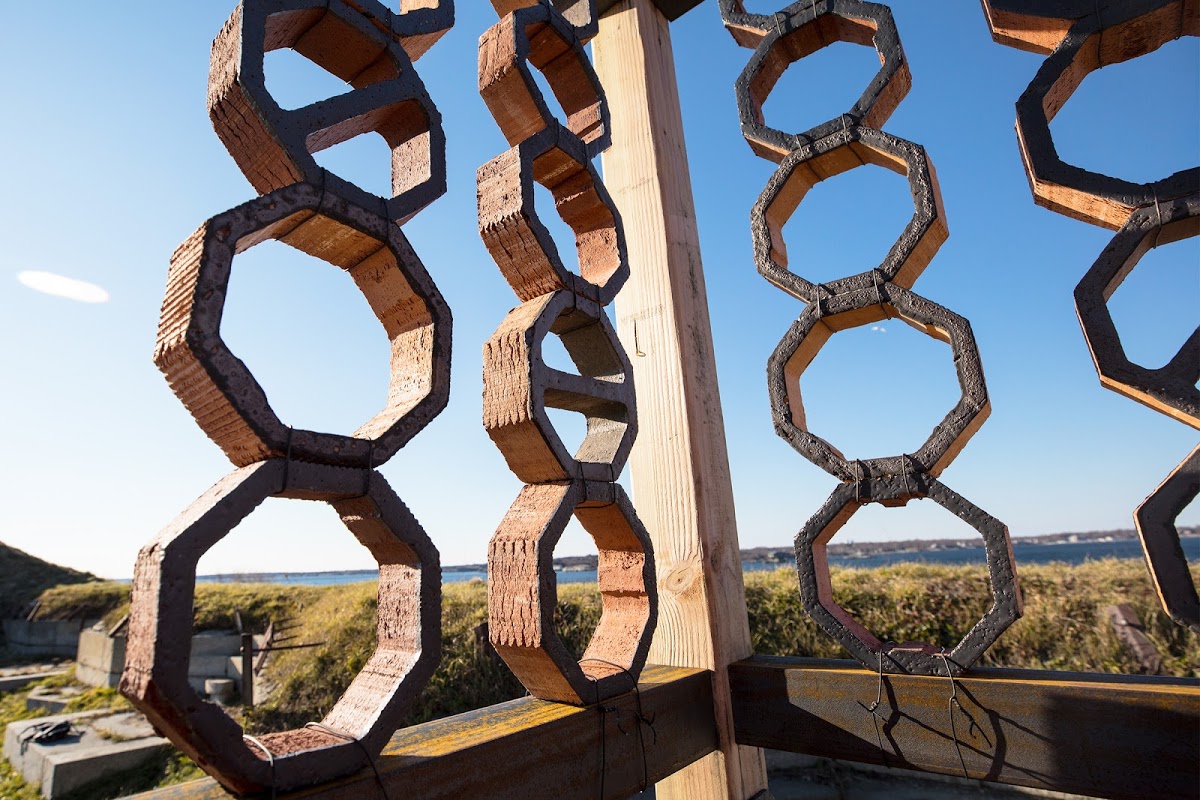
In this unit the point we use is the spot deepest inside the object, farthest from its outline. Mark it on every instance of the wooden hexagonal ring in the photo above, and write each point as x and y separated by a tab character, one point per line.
537	35
840	152
1155	519
803	30
816	590
518	386
522	593
274	147
1170	389
522	246
865	305
373	707
217	387
1120	33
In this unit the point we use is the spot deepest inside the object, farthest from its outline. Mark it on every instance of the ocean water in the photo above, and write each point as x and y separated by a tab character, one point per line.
1025	554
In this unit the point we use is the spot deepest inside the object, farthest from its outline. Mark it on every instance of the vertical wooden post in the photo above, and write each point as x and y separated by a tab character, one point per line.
248	670
679	464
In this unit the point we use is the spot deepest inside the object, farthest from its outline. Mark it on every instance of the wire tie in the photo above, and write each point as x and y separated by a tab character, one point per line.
950	704
347	737
874	707
270	758
1158	215
639	716
287	462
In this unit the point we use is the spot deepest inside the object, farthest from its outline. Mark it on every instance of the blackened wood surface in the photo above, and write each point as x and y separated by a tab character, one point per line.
1114	736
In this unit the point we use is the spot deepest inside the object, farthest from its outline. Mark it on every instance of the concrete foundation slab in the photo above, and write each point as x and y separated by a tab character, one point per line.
101	744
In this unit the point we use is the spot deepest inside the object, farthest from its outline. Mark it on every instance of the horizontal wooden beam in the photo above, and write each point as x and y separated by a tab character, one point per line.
1103	735
531	748
671	9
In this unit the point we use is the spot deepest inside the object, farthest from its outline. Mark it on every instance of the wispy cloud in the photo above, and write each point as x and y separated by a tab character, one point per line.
878	329
62	286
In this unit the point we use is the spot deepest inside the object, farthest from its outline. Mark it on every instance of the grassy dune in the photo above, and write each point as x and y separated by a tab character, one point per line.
1062	628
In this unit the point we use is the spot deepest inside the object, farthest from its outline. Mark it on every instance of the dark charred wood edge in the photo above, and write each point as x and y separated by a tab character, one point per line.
1117	736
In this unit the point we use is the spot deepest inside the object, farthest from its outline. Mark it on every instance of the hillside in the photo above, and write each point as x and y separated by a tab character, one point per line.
23	577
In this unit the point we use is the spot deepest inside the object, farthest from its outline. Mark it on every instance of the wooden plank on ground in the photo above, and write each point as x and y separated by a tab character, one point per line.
1114	736
532	748
679	464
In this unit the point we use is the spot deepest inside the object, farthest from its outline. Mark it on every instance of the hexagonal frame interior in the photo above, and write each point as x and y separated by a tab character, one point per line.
522	592
832	155
374	705
274	147
1165	559
1170	389
518	386
804	30
917	658
220	391
522	246
866	305
1125	32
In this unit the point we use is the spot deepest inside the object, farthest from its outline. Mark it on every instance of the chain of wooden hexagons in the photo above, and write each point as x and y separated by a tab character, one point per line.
805	159
333	220
1080	37
519	387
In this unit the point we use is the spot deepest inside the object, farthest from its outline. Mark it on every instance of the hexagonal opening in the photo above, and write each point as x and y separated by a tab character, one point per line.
566	82
923	594
582	218
819	84
877	403
295	81
827	235
577	612
308	336
1164	79
560	232
1164	280
407	622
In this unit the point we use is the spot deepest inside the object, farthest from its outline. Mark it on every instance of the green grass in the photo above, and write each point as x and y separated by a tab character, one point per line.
1062	630
23	577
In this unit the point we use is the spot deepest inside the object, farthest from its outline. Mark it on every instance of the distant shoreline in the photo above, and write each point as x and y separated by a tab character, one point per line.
782	556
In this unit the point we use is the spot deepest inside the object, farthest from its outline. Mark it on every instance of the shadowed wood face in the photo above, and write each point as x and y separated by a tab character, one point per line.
364	718
217	387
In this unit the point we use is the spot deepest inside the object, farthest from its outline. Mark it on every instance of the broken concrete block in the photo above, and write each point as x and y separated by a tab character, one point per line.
274	147
1170	389
1121	32
518	387
373	707
519	242
841	151
918	658
522	592
867	304
537	36
1155	519
801	32
216	386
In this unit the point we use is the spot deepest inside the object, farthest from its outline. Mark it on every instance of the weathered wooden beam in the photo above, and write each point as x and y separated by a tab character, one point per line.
531	748
679	464
1113	736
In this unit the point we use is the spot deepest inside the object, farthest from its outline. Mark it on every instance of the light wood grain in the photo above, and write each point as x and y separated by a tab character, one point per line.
680	466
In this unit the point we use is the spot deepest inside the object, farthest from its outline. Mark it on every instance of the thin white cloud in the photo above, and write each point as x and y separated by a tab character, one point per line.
62	286
879	329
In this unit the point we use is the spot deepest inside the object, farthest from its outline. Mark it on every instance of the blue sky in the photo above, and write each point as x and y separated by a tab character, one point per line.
111	162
